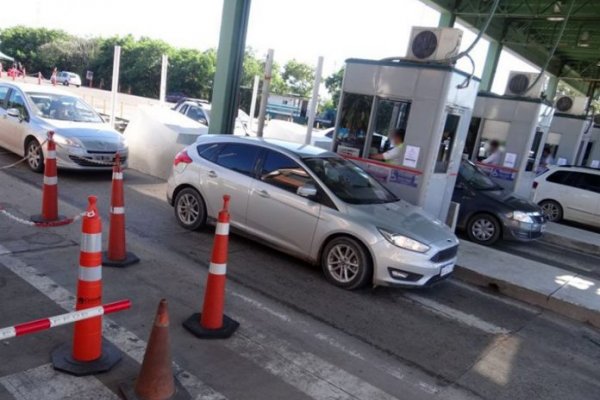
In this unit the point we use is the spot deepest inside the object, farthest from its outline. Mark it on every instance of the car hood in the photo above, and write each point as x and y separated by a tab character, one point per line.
405	219
512	201
94	136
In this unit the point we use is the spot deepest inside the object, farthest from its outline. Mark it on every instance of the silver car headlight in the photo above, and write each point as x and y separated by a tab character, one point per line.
521	217
404	242
123	141
67	141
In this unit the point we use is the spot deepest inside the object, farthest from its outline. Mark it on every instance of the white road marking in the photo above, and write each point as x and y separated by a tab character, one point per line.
45	383
464	318
4	250
262	307
496	297
305	371
125	340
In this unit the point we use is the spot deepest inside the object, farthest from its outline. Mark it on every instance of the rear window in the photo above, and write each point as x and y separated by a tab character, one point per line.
209	151
238	157
559	177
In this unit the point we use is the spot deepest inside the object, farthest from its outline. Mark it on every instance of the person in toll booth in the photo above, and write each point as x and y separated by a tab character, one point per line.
494	153
393	155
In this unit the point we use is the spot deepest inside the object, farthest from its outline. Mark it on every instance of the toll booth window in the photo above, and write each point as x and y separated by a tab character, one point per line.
354	122
533	152
391	115
472	138
446	144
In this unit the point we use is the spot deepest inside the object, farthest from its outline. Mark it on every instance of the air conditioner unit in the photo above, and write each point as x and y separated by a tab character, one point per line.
519	84
575	105
433	44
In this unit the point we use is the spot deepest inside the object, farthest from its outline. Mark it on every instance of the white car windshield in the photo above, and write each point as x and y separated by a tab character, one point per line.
348	181
63	107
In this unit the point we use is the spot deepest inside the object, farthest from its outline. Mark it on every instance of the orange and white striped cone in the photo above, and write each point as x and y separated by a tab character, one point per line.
212	323
50	188
117	254
89	353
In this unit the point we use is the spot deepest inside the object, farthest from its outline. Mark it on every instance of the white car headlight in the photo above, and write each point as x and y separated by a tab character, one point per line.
404	241
521	217
66	141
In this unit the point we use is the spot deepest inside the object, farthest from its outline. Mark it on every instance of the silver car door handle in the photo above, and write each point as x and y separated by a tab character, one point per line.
263	193
212	174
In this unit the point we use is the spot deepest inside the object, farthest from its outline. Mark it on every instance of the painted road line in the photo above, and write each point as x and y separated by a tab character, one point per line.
45	383
4	250
307	372
502	299
125	340
456	315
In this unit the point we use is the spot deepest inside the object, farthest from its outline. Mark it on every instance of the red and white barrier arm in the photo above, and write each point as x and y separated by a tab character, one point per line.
63	319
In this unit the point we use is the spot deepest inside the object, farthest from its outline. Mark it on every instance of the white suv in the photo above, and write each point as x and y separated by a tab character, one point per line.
571	193
68	78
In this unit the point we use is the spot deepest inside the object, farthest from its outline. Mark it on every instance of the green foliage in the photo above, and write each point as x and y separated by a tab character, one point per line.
298	78
23	44
333	83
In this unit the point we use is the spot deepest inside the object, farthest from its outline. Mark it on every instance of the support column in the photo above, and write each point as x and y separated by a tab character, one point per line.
447	19
551	88
491	64
230	58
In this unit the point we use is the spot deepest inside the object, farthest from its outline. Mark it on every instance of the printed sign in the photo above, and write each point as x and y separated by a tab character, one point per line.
348	151
595	164
411	156
89	75
498	173
561	161
400	177
510	159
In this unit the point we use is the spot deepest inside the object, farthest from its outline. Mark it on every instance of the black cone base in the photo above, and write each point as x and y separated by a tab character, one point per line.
39	219
62	360
192	324
127	389
130	259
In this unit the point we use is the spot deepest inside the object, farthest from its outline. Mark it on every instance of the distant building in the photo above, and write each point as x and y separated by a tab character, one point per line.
286	106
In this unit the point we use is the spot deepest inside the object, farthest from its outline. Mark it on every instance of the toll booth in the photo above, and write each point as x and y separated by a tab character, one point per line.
432	102
566	138
520	124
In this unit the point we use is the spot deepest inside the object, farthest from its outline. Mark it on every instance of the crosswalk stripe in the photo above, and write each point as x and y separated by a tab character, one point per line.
125	340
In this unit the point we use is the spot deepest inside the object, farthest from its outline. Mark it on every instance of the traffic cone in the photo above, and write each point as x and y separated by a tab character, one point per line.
89	353
212	323
117	254
50	188
156	380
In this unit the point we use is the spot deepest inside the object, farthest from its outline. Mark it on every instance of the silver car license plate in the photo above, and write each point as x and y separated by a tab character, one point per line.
446	269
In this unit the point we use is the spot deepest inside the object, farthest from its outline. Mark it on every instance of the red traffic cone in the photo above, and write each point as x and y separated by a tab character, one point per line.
117	254
156	380
212	323
89	353
50	188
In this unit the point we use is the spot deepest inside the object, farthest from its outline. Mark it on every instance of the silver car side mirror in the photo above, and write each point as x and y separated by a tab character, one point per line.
308	191
14	112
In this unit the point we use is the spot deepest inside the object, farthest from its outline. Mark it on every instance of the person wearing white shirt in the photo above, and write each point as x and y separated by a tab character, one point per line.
495	153
393	155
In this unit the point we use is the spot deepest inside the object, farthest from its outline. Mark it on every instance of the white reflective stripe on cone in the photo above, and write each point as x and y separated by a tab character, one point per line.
50	180
91	242
217	269
117	210
9	332
64	319
50	154
117	175
222	228
90	274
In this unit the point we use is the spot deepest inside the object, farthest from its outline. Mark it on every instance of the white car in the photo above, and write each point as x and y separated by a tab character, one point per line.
68	78
570	193
199	111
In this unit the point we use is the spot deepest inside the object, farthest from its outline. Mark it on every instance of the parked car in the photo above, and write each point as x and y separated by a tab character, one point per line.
199	111
84	140
175	97
488	212
570	193
68	78
315	205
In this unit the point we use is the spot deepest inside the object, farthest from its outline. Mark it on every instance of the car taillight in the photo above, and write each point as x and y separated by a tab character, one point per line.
535	184
182	157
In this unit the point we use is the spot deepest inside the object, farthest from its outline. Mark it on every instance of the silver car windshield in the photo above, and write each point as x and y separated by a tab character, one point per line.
348	181
61	107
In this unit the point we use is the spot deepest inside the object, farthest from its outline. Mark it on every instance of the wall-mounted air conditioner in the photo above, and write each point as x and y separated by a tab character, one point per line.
520	84
575	105
433	44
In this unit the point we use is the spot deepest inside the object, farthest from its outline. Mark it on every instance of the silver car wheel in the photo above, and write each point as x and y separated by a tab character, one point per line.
188	209
483	229
34	155
343	263
551	211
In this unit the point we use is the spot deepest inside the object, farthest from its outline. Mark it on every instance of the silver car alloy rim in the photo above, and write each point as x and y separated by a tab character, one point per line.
188	209
34	154
483	229
550	211
343	263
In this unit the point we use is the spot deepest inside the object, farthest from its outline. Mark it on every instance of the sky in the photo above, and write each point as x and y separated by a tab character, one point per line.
304	30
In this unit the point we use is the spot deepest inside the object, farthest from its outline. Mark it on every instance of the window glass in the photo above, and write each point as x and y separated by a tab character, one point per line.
3	93
17	101
283	172
535	148
63	108
446	144
589	182
195	113
354	122
238	157
475	177
559	177
209	151
183	109
390	116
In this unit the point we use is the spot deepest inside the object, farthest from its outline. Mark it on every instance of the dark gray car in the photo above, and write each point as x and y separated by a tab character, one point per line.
488	212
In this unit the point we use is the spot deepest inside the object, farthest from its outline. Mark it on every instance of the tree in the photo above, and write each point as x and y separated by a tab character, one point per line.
73	54
333	83
298	78
192	72
23	44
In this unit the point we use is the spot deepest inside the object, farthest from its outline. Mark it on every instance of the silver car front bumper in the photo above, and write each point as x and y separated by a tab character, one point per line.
82	159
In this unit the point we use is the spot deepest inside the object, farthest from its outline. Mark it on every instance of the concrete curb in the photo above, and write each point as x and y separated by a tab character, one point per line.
571	244
563	305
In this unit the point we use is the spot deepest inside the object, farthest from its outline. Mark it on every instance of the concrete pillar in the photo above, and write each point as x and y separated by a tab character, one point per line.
447	19
230	58
551	88
491	64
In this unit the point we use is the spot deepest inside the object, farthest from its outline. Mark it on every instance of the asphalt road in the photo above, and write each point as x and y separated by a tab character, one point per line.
450	341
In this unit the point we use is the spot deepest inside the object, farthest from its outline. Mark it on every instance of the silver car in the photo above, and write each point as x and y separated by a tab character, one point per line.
84	140
315	205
